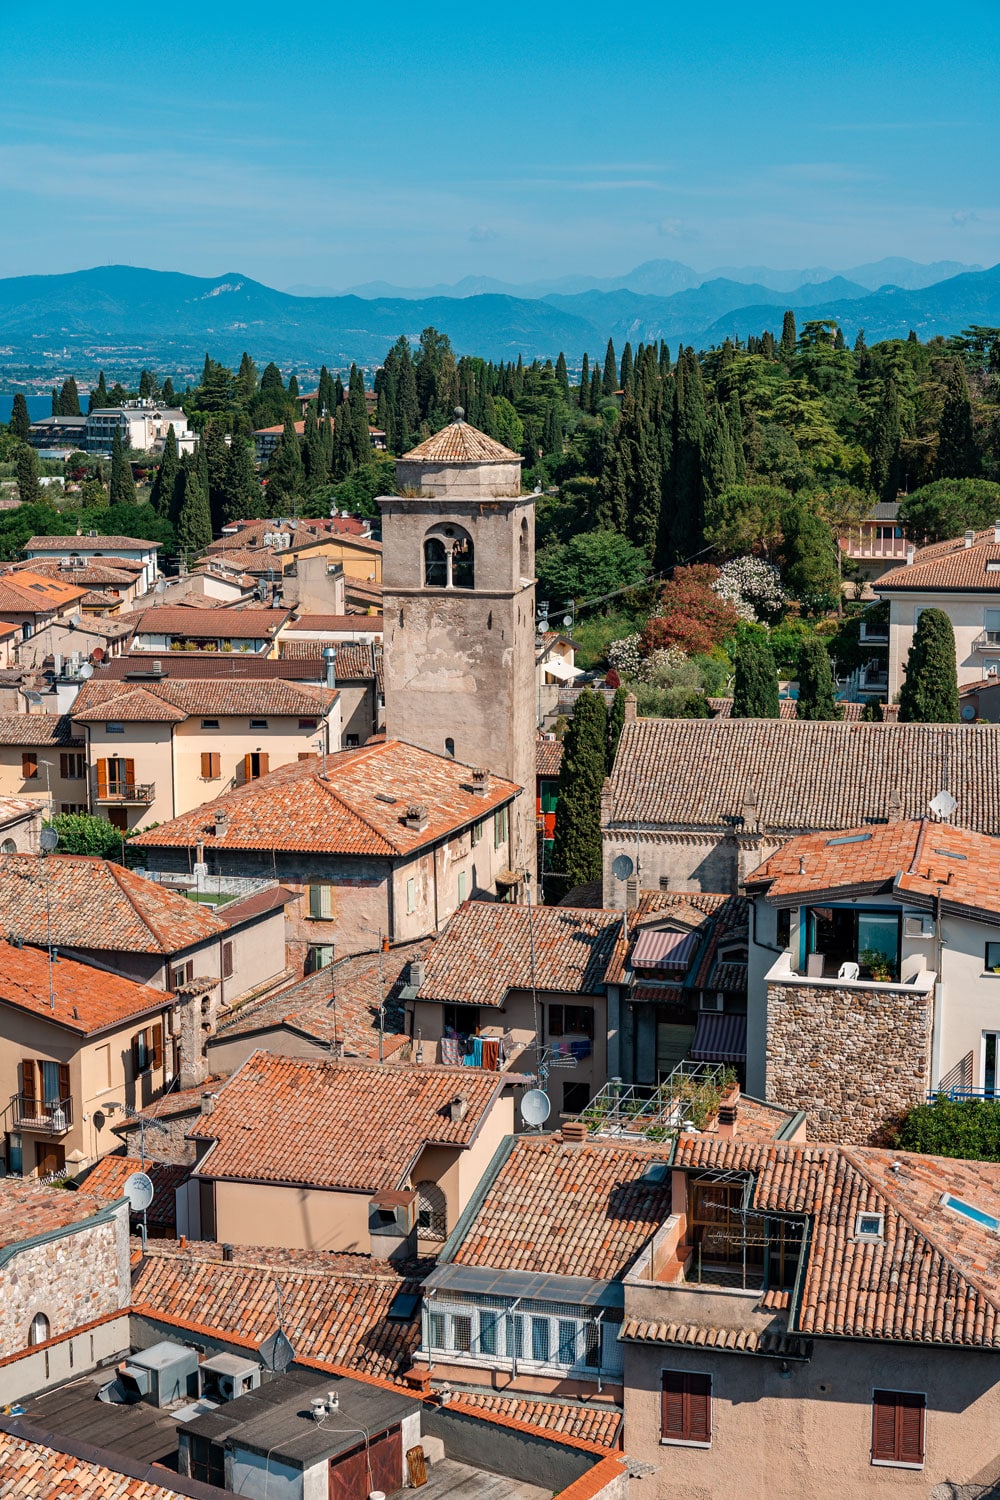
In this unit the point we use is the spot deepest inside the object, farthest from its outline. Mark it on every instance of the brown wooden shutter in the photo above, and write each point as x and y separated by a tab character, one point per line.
28	1086
216	764
158	1045
102	778
910	1428
29	765
135	1055
227	960
265	762
248	768
699	1413
130	773
206	764
63	1082
686	1407
64	767
672	1406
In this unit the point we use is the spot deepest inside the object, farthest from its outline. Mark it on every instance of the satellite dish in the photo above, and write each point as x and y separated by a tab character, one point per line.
968	711
138	1191
86	671
536	1106
943	805
49	840
622	867
276	1353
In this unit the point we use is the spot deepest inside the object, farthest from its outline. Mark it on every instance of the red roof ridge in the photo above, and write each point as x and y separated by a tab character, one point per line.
331	791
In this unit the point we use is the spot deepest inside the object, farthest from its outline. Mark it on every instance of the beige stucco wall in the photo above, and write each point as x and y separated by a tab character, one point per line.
248	1213
808	1433
67	1359
60	789
967	613
357	561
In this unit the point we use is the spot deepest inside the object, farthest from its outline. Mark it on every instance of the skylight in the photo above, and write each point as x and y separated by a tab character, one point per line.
977	1216
950	854
849	838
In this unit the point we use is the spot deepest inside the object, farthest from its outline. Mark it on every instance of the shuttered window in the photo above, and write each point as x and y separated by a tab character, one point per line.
898	1428
321	902
211	765
29	765
227	960
686	1408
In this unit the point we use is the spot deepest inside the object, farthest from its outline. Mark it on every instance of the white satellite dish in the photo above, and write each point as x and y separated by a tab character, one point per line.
49	840
86	671
139	1192
943	805
276	1353
622	867
536	1106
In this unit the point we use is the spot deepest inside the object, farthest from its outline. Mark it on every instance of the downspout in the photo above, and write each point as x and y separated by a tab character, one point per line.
173	774
938	993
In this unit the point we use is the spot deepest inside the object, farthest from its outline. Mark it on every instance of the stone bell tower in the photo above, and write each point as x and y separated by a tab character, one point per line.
458	579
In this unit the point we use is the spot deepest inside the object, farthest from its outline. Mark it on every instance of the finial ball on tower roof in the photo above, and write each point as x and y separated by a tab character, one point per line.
459	413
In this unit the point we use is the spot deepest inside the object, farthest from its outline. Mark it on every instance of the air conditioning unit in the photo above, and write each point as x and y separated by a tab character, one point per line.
918	927
226	1377
713	1002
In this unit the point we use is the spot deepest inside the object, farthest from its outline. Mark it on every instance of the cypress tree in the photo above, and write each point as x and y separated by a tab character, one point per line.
562	375
957	455
610	382
69	399
839	342
55	402
872	712
735	418
246	380
616	722
627	367
162	493
243	498
884	446
194	521
788	335
271	383
552	432
816	690
293	386
687	472
664	361
285	472
930	690
20	422
168	393
121	490
360	440
216	454
584	393
29	490
596	390
313	454
720	461
576	853
147	385
860	347
99	395
324	391
755	684
340	456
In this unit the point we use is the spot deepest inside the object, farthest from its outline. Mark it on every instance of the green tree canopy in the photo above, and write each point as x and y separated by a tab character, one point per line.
930	689
194	519
29	489
755	681
20	422
816	689
81	833
808	559
744	519
161	493
587	566
947	507
121	490
969	1128
576	853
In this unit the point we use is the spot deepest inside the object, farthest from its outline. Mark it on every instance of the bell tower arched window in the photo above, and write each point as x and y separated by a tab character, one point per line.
435	563
449	559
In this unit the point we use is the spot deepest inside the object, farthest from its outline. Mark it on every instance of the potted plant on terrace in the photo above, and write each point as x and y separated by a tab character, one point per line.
876	964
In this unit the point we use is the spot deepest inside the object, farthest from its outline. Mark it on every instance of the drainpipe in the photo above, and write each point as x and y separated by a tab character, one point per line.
938	993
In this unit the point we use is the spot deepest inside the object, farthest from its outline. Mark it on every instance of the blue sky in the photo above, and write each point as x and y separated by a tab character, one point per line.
338	144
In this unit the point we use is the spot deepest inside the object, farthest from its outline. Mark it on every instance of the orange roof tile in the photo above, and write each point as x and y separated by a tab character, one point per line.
548	757
29	1209
359	806
591	1421
85	1000
348	1125
35	593
35	1470
107	1179
100	545
461	443
949	565
175	698
37	729
210	621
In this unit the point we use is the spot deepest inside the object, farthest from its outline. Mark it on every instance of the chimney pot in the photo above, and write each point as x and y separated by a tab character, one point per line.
417	972
996	532
970	537
575	1132
480	781
207	1104
910	553
227	1252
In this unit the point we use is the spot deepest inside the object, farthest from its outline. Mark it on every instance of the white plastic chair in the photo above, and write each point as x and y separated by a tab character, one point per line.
848	970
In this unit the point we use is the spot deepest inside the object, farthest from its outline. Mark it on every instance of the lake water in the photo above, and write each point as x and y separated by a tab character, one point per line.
38	406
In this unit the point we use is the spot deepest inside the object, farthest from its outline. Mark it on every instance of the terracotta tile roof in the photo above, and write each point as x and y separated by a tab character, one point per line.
37	729
250	533
933	1278
86	999
920	858
485	951
99	598
850	713
715	917
358	808
93	903
461	443
103	545
333	1307
356	660
353	983
29	1209
949	565
548	757
351	1125
173	699
177	1102
242	560
107	1179
593	1422
32	1471
214	622
702	1336
695	773
567	1210
96	571
372	624
229	666
36	593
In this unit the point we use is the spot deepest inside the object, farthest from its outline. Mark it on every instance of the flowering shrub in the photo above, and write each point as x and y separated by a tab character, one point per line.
753	587
623	656
691	614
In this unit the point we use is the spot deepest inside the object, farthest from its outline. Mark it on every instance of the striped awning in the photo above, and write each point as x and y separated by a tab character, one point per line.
719	1038
663	950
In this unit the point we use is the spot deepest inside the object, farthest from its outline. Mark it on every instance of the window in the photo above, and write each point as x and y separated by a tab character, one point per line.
461	1020
209	723
449	747
319	956
211	765
181	974
255	764
411	895
898	1428
308	723
500	828
842	934
540	1340
147	1050
477	833
686	1408
432	1211
461	1333
351	741
436	1330
462	879
227	960
514	1336
784	928
592	1346
435	564
321	902
571	1020
869	1227
8	847
29	765
992	962
575	1098
258	723
567	1342
991	622
40	1330
488	1332
116	728
991	1073
968	1211
72	766
463	572
71	807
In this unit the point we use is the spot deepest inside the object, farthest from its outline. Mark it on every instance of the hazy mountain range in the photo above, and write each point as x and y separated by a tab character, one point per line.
124	316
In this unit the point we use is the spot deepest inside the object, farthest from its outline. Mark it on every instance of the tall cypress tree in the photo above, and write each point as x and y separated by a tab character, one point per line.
293	386
576	853
313	455
246	380
957	455
162	493
930	689
69	399
194	521
788	335
55	403
562	375
610	382
755	682
360	440
616	723
244	498
687	472
816	690
216	460
99	395
324	392
627	367
584	393
121	490
29	490
20	422
168	393
596	389
286	472
884	444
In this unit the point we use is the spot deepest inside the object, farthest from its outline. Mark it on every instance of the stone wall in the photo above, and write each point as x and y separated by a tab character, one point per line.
854	1058
72	1278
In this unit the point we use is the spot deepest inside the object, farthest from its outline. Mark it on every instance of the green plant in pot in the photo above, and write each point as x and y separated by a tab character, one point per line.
877	963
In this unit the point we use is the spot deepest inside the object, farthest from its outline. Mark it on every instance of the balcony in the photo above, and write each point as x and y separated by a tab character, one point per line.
987	641
874	635
822	972
142	792
54	1117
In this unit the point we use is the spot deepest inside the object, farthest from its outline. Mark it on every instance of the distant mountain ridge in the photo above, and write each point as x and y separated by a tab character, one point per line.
113	313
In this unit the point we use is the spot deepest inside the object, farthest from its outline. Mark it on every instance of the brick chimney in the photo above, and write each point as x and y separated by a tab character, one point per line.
480	782
416	817
631	708
729	1107
575	1132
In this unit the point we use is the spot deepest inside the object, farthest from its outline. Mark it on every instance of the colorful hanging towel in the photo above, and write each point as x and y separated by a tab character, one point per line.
451	1050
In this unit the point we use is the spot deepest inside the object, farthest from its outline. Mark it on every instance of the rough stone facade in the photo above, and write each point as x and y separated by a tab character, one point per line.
72	1276
853	1058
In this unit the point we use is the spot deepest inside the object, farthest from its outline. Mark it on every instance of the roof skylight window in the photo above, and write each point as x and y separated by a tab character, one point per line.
968	1211
849	838
950	854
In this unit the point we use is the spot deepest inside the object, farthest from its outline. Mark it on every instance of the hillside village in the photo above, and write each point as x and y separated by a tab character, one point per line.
396	1094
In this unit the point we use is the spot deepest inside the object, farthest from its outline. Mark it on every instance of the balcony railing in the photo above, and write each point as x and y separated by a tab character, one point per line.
987	640
127	791
32	1114
874	635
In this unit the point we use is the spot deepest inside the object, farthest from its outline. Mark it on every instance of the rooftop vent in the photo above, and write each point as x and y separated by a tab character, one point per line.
575	1131
970	537
207	1104
458	1109
480	781
221	820
416	817
996	532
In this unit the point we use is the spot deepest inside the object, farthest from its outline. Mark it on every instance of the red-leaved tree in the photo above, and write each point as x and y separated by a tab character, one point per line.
690	614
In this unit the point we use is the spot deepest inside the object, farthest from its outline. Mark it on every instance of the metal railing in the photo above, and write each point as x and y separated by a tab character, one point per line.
987	640
55	1116
689	1094
955	1094
127	791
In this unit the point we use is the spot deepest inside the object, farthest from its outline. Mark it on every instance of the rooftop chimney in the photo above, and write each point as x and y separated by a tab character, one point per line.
911	552
458	1109
221	820
415	817
575	1131
996	532
970	537
207	1104
480	781
417	973
729	1106
227	1252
